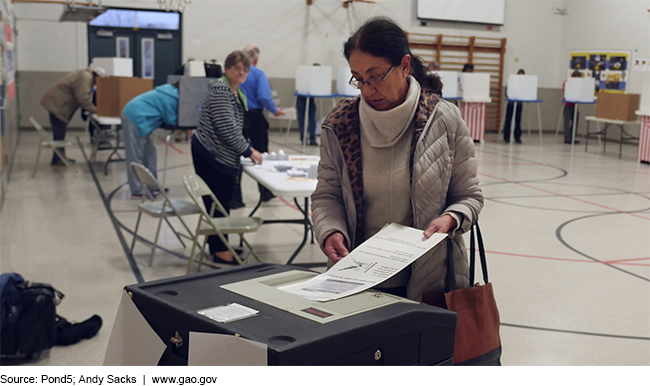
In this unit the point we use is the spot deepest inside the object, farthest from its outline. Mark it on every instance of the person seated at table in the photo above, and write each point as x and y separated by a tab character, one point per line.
218	142
397	153
508	123
140	117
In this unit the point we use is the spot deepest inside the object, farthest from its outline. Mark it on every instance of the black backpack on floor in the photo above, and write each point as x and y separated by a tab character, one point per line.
28	316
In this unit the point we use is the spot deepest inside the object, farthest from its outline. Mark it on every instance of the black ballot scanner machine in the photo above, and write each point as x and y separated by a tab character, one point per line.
368	328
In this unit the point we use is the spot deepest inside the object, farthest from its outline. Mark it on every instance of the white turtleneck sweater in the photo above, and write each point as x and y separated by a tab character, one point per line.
386	138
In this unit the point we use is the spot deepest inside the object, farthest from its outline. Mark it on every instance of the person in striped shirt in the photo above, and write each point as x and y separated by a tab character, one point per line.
218	141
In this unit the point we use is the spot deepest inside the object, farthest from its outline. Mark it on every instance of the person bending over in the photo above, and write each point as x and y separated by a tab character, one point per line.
140	117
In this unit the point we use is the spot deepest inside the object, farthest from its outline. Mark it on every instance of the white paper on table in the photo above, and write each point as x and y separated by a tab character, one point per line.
228	313
380	257
208	349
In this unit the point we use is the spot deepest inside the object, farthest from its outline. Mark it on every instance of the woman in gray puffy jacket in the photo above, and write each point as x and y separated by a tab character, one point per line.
396	153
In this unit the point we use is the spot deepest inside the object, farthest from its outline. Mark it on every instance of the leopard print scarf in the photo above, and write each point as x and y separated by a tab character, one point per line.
344	121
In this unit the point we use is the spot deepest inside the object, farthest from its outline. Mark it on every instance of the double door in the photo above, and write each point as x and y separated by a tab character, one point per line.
155	53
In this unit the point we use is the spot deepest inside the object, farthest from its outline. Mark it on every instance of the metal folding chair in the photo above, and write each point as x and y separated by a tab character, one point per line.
161	209
49	142
219	226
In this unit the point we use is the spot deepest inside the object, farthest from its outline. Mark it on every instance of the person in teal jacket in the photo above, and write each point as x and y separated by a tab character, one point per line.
140	117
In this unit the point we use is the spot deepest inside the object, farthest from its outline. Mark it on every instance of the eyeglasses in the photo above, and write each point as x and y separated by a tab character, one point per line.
239	69
375	81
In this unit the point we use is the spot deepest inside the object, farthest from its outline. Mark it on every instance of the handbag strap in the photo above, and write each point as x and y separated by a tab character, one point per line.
475	235
450	279
472	254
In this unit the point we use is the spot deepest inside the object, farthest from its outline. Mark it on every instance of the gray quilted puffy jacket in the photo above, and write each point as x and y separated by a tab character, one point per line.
444	180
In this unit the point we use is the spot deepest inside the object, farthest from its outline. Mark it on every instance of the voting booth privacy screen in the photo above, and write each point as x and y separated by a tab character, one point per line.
194	68
475	87
450	82
343	87
522	87
579	90
314	80
191	95
115	66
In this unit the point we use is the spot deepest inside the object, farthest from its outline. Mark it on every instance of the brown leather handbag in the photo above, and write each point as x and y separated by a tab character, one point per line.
477	332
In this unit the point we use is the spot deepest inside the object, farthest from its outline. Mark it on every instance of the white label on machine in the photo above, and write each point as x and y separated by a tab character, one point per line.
228	313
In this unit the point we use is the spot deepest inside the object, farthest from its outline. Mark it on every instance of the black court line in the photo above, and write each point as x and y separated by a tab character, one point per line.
129	256
558	235
107	203
563	172
504	202
619	193
142	239
558	232
117	224
576	332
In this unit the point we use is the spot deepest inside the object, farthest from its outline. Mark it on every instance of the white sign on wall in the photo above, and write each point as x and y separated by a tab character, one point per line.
472	11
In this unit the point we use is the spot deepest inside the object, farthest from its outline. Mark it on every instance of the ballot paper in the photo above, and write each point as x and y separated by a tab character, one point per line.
383	255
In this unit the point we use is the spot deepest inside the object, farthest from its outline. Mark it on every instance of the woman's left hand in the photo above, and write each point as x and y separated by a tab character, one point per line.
441	224
256	157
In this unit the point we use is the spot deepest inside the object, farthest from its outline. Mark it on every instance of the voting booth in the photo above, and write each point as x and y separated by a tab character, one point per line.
579	90
194	68
343	87
475	91
450	83
314	80
174	322
191	95
644	130
475	87
522	87
115	66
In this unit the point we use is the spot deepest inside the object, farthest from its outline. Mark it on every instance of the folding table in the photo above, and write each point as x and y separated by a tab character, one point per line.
280	184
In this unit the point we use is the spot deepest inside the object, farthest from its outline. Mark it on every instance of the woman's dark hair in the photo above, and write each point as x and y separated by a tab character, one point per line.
236	57
468	67
383	38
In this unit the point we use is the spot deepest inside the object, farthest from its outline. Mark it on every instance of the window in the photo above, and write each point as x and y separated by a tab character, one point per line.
128	18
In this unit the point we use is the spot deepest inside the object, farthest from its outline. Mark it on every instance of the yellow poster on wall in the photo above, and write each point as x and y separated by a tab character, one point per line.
609	69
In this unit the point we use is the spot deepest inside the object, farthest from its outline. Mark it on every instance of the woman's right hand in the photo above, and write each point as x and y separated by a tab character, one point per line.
256	157
335	248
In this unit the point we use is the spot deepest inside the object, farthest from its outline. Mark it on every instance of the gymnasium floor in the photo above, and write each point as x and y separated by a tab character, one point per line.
567	235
